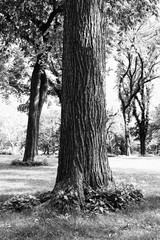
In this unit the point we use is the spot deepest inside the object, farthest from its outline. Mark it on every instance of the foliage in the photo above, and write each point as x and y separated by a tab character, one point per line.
6	152
116	144
116	199
49	131
36	27
66	202
24	19
14	72
114	133
154	132
100	201
20	203
138	59
126	14
122	16
12	127
17	162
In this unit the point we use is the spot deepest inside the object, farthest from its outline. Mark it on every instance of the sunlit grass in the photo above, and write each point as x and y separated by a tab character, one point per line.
136	223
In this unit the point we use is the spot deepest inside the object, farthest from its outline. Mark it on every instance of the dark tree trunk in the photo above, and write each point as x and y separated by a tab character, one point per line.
38	93
142	118
143	144
83	148
143	126
127	136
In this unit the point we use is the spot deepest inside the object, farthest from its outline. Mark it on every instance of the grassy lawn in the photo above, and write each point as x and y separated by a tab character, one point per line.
22	180
142	223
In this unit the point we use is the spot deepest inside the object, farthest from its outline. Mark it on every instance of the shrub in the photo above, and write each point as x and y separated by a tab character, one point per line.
20	203
99	201
6	152
120	198
17	162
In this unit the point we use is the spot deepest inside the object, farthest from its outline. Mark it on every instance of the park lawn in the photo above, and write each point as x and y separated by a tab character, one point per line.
142	223
26	180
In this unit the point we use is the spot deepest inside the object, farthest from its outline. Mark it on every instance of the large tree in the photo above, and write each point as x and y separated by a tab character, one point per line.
83	149
34	24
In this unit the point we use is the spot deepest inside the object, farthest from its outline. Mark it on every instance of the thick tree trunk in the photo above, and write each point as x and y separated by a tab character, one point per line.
83	148
38	93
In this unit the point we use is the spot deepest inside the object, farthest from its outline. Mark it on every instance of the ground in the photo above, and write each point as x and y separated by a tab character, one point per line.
138	223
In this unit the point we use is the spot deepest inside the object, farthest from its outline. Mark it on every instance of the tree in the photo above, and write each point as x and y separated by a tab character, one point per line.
83	150
142	117
154	131
33	23
137	65
39	87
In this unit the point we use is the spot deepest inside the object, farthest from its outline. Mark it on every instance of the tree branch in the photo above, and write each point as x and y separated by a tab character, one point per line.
43	27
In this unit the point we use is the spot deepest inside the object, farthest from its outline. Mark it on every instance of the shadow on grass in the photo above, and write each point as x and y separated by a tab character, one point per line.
149	204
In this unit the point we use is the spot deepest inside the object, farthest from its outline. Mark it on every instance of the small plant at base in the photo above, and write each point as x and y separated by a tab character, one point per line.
115	199
20	203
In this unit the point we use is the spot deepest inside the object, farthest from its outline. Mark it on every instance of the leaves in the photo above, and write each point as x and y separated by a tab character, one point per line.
117	199
20	203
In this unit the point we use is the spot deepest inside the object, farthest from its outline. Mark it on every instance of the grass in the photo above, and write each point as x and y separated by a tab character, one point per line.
23	180
137	223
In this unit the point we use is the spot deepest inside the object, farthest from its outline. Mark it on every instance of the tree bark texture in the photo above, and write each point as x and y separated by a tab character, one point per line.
83	148
38	94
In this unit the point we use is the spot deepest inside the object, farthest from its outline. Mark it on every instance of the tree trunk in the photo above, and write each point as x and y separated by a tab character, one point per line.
142	136
38	93
127	136
83	148
143	145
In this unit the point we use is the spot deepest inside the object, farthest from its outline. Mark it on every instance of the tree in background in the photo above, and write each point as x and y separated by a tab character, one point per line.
115	133
141	102
154	132
137	65
33	23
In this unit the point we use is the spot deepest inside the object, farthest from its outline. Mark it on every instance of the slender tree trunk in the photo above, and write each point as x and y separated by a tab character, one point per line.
127	136
38	93
142	136
83	148
143	144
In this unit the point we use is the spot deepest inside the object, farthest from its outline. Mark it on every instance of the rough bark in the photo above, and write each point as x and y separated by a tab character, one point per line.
38	93
83	149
